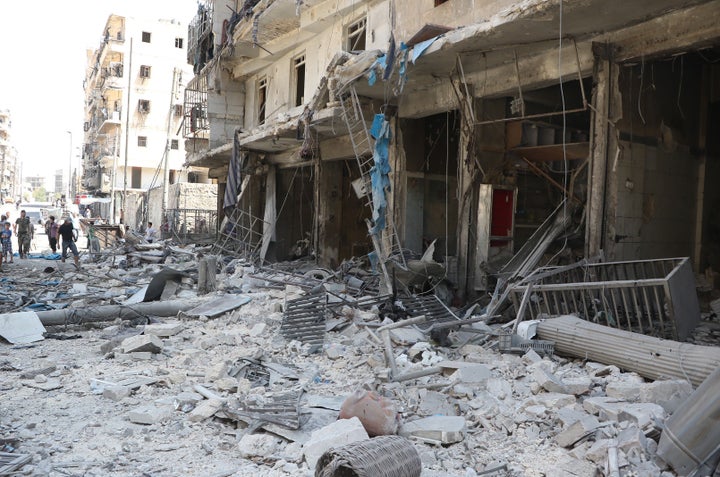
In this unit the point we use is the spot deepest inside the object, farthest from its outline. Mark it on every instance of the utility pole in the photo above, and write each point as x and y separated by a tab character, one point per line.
171	115
67	197
113	175
127	133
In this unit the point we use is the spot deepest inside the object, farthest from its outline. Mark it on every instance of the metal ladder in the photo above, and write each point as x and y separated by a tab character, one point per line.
388	246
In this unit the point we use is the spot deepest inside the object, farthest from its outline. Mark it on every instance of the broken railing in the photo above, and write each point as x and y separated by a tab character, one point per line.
652	297
241	235
191	225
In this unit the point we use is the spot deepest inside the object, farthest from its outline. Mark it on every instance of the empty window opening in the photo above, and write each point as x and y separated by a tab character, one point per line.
174	144
299	76
136	177
146	37
356	35
144	71
142	141
178	43
262	99
144	106
178	110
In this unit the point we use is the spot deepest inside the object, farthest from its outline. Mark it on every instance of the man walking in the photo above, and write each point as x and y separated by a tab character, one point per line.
24	230
67	232
151	233
51	230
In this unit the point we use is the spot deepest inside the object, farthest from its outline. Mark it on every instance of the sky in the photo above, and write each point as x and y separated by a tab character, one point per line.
43	47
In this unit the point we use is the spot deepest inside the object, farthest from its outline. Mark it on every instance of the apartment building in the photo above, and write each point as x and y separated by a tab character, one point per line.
10	170
134	90
504	134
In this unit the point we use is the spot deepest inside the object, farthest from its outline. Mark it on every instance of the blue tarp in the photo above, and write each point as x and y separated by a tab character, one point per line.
380	131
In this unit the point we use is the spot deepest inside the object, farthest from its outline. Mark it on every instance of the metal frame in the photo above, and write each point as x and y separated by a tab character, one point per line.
653	297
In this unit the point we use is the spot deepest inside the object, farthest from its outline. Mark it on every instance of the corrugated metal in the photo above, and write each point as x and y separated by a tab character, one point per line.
653	358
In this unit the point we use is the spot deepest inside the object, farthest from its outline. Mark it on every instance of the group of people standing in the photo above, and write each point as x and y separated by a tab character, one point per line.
25	230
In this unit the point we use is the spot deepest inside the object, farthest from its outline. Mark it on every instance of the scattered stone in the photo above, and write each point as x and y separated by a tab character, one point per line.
205	410
149	414
163	330
577	430
140	343
337	434
116	393
258	445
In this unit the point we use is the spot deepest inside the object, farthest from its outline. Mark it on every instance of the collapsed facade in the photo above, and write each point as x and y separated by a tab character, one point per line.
532	130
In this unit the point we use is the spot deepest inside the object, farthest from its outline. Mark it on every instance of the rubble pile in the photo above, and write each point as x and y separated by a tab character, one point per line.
220	389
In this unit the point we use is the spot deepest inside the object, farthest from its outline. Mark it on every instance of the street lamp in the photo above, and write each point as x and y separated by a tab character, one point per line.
67	196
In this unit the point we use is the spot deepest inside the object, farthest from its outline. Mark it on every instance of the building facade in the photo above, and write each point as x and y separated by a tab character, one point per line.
10	170
134	111
505	135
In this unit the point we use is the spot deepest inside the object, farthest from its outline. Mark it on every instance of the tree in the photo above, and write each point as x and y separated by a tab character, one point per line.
40	194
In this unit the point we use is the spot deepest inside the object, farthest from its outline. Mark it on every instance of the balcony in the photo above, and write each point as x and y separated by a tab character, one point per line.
110	122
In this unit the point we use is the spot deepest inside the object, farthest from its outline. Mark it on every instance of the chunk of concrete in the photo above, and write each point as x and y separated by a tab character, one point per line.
149	414
258	445
642	414
577	430
445	429
337	434
140	343
116	393
205	410
606	407
577	386
550	400
548	381
632	438
465	372
163	330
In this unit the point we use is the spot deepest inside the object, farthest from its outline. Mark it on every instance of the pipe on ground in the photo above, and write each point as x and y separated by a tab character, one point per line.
93	314
652	358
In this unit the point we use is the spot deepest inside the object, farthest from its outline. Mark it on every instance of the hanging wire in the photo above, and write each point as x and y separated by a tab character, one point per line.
642	77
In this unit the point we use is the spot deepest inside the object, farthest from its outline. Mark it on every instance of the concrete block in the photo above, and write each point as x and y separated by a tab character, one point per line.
577	430
116	393
140	343
163	330
465	372
337	434
598	452
258	445
670	394
149	414
624	391
550	400
577	386
205	410
632	438
499	388
606	407
258	329
44	369
642	414
218	371
334	351
531	356
433	403
445	429
548	381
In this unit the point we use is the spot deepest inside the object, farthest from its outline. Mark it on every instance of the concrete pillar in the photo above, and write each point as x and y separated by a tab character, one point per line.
329	210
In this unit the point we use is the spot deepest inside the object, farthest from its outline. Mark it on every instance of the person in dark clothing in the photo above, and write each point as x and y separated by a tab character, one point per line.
51	230
67	232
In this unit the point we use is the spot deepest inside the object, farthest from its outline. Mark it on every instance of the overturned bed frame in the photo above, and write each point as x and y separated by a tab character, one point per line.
652	297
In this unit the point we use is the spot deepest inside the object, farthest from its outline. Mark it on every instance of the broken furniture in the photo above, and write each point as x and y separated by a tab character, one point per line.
384	456
653	297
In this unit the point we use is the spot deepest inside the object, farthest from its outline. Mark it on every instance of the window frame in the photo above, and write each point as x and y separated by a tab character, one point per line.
355	30
298	79
142	141
145	71
262	90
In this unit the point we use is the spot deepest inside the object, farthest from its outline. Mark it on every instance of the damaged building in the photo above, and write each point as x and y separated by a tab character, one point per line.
545	132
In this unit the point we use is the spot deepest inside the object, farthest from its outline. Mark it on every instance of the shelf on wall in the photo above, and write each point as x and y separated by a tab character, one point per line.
553	152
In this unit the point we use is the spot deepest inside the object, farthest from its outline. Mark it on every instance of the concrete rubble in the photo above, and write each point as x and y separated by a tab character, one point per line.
227	393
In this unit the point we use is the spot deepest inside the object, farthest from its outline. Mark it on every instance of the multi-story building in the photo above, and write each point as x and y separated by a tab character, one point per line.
58	182
10	170
503	127
35	182
134	112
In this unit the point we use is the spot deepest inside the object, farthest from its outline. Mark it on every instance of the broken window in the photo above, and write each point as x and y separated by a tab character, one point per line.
356	35
136	178
178	110
146	37
142	141
178	43
174	144
144	106
262	99
299	80
144	71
